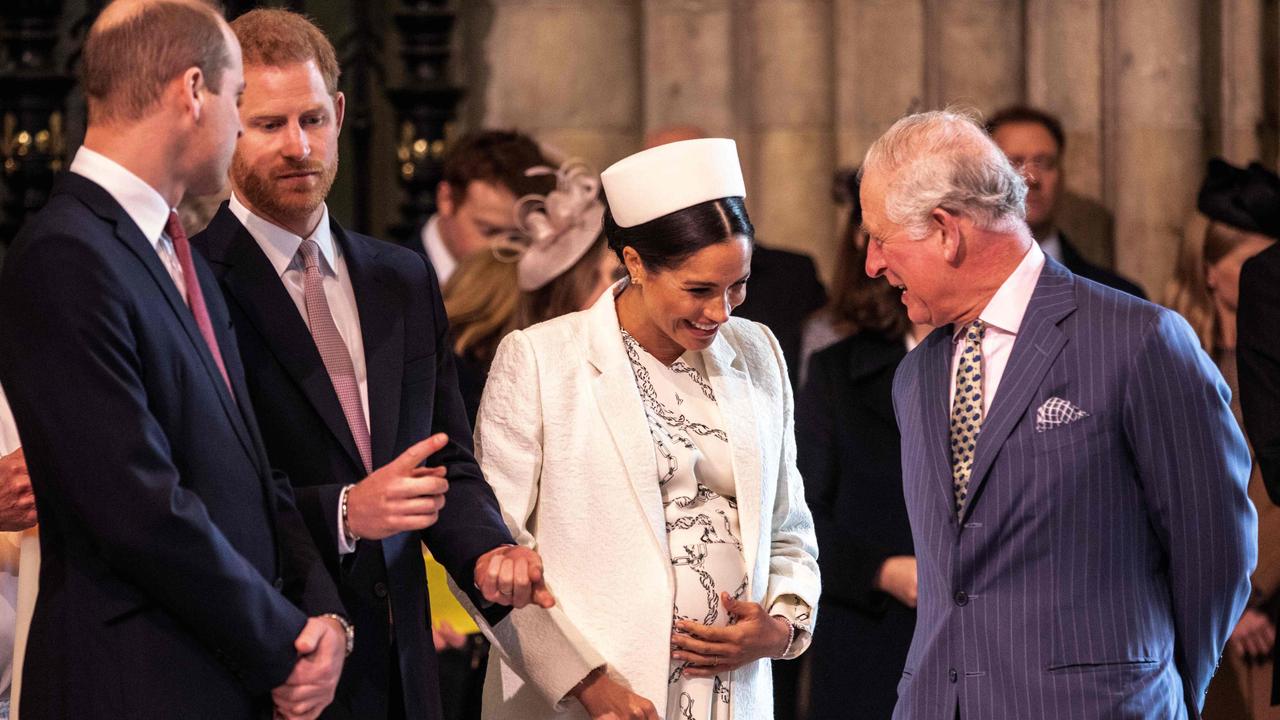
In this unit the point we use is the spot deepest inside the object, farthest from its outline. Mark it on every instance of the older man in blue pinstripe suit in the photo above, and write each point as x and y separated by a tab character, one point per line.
1073	474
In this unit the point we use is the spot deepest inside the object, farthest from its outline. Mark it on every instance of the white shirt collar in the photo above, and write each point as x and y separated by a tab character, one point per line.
433	243
280	245
1005	309
143	203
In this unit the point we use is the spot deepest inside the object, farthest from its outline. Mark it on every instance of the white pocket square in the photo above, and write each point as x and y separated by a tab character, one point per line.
1056	412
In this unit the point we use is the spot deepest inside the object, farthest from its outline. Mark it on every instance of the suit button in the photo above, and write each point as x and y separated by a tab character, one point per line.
953	675
962	598
380	589
278	584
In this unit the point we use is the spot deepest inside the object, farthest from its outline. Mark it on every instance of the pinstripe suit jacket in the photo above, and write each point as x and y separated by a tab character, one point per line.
1099	565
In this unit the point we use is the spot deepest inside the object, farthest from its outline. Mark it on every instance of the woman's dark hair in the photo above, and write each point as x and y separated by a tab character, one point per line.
665	242
859	303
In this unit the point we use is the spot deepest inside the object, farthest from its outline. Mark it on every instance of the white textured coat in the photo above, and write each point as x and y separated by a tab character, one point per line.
562	438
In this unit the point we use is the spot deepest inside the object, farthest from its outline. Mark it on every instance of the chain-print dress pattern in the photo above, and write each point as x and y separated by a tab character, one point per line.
695	474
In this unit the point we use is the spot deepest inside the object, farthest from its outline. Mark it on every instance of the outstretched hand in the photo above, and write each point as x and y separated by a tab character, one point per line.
401	495
710	651
512	575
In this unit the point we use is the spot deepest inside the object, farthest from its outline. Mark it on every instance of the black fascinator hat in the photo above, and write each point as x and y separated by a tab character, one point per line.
1244	198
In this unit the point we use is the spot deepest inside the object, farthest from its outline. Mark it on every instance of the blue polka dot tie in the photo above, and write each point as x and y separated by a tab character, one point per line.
966	410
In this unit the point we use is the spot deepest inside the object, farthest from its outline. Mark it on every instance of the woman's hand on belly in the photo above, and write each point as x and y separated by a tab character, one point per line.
711	651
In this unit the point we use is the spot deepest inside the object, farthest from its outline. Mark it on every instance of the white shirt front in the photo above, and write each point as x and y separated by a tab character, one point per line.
143	203
441	259
281	248
1003	316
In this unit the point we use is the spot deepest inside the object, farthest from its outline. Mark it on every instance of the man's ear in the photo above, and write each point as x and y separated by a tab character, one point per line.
339	109
192	92
445	204
952	234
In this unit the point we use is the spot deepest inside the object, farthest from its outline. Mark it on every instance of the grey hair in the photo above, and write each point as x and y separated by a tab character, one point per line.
944	159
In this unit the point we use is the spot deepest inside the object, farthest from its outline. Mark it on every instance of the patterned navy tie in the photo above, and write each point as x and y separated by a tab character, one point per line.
966	410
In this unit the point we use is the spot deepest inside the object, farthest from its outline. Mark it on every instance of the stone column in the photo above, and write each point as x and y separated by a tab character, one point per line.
567	72
975	52
879	66
792	147
1241	93
688	65
1064	77
1154	157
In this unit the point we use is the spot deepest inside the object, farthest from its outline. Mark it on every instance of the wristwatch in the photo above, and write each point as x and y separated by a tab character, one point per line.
347	628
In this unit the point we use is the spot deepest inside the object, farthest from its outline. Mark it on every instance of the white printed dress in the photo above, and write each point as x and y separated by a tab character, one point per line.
695	471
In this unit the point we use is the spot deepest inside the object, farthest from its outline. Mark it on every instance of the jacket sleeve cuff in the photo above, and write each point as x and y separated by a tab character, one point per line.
800	615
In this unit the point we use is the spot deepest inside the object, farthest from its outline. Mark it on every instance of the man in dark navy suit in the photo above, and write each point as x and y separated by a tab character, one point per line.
1034	142
178	578
344	345
1074	477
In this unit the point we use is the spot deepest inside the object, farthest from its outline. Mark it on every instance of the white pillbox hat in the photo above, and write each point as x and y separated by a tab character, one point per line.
671	177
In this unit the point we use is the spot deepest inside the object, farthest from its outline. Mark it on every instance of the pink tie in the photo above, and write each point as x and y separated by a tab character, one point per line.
195	296
333	351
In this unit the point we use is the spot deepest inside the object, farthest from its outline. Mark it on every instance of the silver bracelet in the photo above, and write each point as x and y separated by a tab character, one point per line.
791	636
346	524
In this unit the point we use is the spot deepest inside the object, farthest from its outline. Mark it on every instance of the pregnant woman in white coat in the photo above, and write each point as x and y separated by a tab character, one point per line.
645	447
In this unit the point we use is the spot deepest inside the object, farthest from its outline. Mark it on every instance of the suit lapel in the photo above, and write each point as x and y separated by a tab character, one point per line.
736	400
614	387
253	283
1039	342
383	338
101	202
235	373
935	412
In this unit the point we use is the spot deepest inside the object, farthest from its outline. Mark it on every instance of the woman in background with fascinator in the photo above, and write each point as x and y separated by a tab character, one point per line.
556	263
1237	220
645	446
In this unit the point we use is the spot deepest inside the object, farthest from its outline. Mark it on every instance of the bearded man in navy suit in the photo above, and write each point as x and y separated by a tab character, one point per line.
1075	481
178	579
344	345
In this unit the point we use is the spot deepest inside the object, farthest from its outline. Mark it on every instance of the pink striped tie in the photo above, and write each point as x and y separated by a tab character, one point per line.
195	296
333	352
